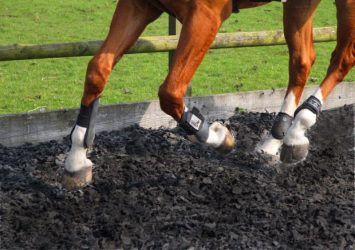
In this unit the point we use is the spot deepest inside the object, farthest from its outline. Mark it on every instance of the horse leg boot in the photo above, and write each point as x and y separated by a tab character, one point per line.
201	22
129	21
296	144
298	33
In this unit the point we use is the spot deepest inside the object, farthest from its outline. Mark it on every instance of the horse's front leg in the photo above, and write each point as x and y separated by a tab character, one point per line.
200	26
129	20
296	144
298	33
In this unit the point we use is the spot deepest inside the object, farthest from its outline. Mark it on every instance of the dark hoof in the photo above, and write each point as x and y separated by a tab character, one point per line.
294	153
267	158
228	144
79	179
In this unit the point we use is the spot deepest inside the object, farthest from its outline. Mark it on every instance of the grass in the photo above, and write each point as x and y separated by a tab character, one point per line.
57	83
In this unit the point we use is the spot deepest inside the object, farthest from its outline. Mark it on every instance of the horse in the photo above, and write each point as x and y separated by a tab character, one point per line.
201	20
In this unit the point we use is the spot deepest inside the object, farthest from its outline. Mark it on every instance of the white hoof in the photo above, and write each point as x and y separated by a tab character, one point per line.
217	135
270	146
219	138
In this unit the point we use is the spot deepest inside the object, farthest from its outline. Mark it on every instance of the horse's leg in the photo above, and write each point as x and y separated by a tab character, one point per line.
129	21
343	59
298	33
200	26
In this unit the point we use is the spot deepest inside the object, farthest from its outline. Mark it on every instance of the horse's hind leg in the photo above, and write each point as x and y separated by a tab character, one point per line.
200	26
298	33
129	21
343	59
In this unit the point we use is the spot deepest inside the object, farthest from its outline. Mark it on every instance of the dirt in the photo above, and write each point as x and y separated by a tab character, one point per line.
153	189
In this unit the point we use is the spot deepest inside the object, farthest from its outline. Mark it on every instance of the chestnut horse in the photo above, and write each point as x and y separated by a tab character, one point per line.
201	21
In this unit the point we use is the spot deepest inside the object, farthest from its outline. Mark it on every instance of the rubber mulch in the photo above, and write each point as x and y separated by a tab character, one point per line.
153	189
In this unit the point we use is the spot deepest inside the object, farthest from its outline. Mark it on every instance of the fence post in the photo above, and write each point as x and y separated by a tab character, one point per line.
174	29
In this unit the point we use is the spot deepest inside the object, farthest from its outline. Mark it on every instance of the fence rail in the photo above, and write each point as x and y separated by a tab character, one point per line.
154	44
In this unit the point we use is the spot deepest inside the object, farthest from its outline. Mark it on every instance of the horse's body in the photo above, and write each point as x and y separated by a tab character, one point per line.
201	21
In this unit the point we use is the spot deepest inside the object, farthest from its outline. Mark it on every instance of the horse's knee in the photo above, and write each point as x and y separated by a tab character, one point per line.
97	73
171	102
312	56
301	65
304	62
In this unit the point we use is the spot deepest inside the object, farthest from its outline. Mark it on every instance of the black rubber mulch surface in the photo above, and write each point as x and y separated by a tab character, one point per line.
153	189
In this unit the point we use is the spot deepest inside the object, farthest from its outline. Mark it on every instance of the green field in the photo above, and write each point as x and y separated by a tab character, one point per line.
49	84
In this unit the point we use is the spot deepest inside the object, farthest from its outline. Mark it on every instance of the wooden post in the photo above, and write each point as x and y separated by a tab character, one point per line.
175	29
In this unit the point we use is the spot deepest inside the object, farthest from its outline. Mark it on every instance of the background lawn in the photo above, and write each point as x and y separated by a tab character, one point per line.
49	84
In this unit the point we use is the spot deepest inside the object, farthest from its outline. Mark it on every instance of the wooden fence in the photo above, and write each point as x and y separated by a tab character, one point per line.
154	44
16	129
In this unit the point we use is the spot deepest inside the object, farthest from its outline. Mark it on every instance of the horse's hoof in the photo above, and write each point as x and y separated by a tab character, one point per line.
228	144
294	153
269	146
269	159
78	179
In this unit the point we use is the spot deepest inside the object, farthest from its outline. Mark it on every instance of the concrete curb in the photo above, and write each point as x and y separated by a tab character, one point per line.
17	129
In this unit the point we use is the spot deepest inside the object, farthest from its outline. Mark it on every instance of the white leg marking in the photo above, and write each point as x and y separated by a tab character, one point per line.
319	95
289	104
76	159
217	134
270	146
304	120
